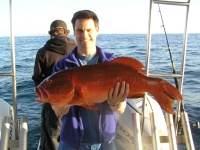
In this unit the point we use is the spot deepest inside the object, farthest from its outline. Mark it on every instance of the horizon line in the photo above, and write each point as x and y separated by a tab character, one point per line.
99	34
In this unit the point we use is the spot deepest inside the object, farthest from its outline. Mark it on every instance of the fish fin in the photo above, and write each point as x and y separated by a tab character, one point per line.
165	94
78	97
80	100
91	107
57	104
167	104
137	95
62	99
41	100
130	62
83	103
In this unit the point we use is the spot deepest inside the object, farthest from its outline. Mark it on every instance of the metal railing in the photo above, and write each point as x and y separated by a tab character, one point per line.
172	125
6	143
156	140
20	133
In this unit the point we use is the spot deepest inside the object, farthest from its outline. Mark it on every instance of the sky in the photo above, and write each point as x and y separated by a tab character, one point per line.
33	17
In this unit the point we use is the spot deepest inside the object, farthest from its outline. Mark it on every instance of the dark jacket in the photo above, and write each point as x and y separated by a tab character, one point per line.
72	128
46	57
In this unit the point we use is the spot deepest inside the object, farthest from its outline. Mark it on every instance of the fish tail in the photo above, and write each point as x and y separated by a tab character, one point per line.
165	94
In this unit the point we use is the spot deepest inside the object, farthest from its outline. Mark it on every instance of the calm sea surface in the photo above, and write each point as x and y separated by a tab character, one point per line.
132	45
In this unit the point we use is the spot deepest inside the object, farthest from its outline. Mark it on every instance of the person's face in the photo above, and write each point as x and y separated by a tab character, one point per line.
85	33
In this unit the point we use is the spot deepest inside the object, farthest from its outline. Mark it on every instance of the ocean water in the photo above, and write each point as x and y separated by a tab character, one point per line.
132	45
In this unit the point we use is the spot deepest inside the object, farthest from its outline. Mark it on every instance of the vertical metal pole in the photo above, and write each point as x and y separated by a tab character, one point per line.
5	133
23	133
148	48
187	131
180	104
155	135
171	132
137	131
13	71
147	63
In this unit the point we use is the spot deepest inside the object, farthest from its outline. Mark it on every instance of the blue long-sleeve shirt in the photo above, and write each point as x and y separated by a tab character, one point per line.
72	128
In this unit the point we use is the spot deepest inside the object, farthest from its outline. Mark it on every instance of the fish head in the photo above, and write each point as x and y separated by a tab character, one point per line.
56	89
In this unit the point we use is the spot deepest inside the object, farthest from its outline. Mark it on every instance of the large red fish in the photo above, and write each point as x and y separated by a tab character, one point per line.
90	84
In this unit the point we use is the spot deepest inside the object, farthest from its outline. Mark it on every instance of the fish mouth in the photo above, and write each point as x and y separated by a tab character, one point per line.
41	93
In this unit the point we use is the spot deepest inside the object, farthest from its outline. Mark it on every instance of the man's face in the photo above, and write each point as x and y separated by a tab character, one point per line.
85	33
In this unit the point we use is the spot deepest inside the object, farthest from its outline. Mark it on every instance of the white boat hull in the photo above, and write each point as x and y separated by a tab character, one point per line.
125	136
6	110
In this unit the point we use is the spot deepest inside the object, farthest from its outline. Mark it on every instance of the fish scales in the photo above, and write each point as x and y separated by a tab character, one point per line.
90	84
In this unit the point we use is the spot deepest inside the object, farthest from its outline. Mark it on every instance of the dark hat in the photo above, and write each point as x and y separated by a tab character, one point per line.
58	24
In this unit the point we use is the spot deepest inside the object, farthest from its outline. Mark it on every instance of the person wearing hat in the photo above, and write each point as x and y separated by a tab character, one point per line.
56	48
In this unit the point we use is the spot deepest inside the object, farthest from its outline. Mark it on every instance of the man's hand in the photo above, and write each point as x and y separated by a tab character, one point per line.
117	96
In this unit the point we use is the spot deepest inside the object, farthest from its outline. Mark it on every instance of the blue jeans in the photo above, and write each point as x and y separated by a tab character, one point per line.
104	146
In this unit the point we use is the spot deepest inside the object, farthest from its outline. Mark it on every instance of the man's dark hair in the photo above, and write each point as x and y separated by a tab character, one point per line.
85	14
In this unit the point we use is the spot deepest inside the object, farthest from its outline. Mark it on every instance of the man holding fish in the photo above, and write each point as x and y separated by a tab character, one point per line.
83	128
